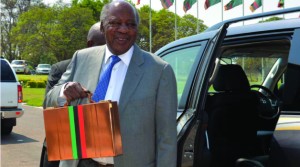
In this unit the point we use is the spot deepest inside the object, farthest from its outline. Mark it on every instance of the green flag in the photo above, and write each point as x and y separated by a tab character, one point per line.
281	3
209	3
232	4
256	4
167	3
187	4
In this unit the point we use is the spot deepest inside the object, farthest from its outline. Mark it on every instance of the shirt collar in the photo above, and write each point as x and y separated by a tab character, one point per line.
126	57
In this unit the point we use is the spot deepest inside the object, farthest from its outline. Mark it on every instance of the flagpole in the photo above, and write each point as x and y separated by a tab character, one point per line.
175	21
150	29
243	11
283	8
262	9
197	17
222	10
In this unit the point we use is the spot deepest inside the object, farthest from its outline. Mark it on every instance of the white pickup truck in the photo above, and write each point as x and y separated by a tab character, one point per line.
11	97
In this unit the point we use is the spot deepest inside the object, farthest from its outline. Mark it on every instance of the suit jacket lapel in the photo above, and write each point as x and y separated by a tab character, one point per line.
96	64
133	77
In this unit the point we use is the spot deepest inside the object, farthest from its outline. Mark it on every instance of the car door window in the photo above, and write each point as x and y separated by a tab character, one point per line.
182	62
256	68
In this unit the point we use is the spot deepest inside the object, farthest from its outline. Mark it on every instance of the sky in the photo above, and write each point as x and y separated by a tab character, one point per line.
214	14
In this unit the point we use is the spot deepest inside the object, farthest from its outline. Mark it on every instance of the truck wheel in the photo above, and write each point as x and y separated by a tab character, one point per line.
6	130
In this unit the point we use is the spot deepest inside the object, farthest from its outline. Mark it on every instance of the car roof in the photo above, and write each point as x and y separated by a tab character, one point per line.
265	26
238	30
18	60
186	40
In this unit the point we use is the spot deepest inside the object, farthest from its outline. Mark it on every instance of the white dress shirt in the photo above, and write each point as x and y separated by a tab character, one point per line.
114	87
115	84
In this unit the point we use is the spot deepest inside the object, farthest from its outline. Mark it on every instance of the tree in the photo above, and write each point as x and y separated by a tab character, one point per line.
95	5
162	29
187	26
163	24
52	34
10	11
143	36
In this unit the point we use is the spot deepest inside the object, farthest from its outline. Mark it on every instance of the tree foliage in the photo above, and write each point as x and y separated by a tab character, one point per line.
163	27
10	11
95	5
47	34
51	34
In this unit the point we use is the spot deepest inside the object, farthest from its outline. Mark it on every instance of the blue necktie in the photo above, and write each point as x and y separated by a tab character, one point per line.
102	86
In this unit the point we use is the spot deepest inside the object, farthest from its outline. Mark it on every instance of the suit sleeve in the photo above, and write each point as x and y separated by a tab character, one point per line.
53	77
53	94
166	110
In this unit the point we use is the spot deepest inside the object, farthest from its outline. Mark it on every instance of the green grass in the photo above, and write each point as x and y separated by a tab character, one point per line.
34	96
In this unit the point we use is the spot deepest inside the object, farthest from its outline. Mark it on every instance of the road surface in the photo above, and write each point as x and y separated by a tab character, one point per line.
22	148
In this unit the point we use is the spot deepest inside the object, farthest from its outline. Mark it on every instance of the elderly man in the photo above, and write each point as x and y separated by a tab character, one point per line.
142	83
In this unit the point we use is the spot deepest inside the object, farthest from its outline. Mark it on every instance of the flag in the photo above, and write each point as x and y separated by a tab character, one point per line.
167	3
209	3
187	4
256	4
281	3
138	2
232	4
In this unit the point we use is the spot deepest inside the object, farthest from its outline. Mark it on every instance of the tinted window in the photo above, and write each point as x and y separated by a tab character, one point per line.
7	74
256	68
182	62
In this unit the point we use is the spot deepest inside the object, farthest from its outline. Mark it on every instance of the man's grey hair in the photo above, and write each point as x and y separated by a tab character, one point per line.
107	7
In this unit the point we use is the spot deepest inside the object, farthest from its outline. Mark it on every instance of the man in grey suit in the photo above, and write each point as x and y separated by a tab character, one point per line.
142	83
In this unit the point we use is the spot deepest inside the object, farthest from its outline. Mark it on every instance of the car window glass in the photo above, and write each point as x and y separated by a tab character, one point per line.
7	74
182	62
44	66
256	68
18	62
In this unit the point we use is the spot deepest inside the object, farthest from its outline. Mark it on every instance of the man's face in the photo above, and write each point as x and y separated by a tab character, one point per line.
120	28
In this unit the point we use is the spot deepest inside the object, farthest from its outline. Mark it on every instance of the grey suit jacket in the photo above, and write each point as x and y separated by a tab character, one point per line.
147	106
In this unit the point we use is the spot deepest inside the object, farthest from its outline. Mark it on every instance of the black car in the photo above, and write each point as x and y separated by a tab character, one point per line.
239	94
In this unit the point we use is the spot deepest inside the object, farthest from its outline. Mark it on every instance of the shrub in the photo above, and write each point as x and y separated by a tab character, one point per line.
31	84
36	84
41	85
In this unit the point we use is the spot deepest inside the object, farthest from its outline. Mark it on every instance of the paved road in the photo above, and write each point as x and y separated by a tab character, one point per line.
23	146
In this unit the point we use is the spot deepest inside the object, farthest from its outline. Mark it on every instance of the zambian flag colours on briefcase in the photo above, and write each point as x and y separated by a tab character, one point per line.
83	131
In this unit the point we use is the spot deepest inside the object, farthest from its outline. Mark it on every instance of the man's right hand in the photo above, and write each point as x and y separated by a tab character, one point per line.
74	90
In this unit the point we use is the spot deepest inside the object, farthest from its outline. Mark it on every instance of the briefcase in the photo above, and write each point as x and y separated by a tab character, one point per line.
83	131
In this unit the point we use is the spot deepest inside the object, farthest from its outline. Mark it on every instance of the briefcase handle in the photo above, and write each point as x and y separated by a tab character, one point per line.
89	93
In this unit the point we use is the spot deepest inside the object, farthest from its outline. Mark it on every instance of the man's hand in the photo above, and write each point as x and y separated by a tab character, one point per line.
73	90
